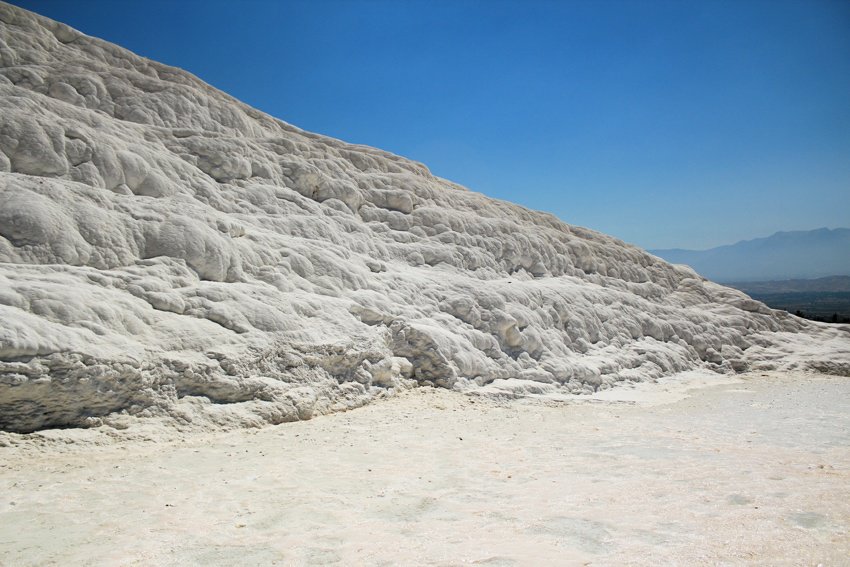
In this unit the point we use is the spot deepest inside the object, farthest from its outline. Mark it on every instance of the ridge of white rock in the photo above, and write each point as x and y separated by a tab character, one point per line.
169	252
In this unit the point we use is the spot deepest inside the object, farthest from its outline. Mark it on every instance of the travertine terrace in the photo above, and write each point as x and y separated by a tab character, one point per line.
169	252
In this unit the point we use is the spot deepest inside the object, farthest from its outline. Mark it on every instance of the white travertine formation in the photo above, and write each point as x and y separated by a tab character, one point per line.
167	251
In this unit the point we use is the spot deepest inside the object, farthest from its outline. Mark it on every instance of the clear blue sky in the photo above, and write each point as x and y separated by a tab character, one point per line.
667	124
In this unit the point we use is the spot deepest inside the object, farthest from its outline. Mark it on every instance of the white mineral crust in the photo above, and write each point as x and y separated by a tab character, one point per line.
169	252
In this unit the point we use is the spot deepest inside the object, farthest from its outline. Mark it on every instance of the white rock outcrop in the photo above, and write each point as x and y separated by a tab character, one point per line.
167	251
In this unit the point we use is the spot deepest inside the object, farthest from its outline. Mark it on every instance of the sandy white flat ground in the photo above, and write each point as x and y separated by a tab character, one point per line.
749	471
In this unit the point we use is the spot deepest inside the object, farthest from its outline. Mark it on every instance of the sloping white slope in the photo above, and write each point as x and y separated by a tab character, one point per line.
168	251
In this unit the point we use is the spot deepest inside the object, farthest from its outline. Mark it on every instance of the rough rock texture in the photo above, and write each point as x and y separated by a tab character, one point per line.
167	251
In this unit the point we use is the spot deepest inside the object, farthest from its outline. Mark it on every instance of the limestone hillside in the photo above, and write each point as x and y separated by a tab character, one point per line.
168	252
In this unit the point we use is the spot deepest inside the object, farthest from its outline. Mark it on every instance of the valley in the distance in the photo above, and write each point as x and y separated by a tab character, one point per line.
821	299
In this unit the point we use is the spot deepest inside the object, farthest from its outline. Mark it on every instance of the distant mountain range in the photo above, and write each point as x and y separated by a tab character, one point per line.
783	256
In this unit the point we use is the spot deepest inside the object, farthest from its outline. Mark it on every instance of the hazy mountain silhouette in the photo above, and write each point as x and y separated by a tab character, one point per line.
785	255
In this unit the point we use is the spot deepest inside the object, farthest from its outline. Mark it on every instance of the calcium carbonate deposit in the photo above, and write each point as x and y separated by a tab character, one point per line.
169	252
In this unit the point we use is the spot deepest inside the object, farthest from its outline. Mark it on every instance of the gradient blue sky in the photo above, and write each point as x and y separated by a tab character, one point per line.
666	124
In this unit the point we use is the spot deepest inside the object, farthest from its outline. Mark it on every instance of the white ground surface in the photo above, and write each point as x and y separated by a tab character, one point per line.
748	471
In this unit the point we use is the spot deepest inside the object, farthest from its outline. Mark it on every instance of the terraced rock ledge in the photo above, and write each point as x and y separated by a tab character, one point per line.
168	252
